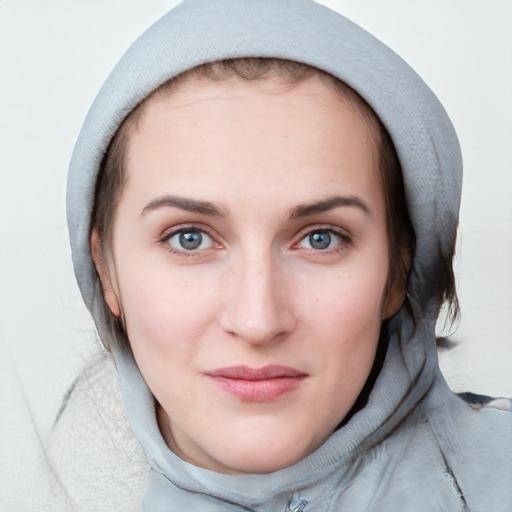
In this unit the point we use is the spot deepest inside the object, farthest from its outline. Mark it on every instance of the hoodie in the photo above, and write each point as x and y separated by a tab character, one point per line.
415	445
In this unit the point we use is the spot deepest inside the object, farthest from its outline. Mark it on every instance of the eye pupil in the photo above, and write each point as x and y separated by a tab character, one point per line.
190	240
320	240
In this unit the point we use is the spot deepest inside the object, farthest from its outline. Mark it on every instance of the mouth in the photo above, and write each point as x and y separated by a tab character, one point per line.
263	384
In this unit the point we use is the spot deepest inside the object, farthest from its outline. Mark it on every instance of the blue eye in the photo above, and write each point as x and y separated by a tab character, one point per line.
321	240
190	240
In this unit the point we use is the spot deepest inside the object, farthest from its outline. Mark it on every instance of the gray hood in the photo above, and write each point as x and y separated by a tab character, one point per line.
409	389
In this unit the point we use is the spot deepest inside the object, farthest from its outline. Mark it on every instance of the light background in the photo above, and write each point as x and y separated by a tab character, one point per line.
54	56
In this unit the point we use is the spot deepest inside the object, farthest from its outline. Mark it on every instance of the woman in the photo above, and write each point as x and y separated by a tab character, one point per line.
240	235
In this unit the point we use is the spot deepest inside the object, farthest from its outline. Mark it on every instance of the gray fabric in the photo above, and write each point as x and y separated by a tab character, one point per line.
415	446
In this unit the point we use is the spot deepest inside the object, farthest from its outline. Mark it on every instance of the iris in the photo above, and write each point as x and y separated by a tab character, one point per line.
190	240
320	240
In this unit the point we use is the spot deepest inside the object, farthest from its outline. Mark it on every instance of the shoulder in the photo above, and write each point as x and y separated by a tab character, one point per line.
93	453
474	435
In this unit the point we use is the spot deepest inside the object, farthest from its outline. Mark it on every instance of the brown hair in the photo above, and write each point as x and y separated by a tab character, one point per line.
112	174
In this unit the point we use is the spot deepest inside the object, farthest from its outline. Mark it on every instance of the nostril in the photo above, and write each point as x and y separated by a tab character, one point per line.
257	304
258	322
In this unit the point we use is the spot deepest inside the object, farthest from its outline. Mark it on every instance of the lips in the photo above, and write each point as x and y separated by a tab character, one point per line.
263	384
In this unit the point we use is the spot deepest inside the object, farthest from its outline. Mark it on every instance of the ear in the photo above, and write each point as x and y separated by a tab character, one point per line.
110	293
394	299
397	289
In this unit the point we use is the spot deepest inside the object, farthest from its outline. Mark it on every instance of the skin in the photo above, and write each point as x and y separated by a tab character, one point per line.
256	292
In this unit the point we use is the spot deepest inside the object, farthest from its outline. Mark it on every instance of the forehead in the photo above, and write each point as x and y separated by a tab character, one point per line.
197	85
237	134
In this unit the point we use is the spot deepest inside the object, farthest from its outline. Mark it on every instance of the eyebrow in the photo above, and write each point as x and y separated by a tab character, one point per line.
185	203
305	210
209	208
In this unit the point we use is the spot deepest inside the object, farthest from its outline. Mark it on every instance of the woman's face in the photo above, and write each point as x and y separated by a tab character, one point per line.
250	262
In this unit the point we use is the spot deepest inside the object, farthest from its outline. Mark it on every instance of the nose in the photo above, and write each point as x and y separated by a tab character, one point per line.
258	306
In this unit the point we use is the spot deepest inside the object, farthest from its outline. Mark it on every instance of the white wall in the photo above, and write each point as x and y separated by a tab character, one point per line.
54	55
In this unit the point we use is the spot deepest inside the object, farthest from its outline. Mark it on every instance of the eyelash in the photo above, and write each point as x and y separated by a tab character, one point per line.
345	240
164	240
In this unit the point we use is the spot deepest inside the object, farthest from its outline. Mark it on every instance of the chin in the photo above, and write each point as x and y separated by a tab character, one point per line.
267	454
259	463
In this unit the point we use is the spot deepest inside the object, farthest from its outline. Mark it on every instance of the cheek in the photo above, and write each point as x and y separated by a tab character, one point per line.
353	299
165	311
166	323
343	321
